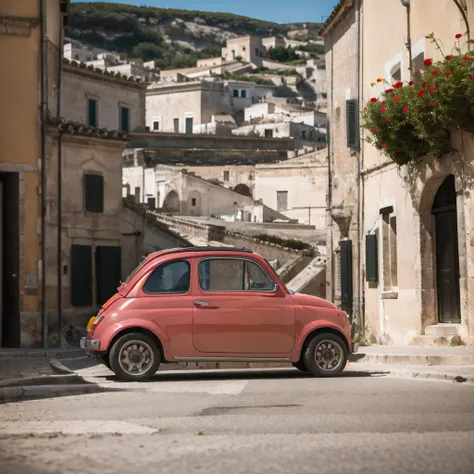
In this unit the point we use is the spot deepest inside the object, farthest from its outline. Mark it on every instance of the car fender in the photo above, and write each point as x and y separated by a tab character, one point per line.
312	327
111	331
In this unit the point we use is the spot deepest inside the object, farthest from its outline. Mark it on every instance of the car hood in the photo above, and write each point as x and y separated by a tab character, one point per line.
307	300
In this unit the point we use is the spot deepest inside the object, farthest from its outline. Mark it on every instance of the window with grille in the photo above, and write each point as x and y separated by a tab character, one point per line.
282	200
352	123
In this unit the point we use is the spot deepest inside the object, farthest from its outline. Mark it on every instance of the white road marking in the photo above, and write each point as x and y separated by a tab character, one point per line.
73	427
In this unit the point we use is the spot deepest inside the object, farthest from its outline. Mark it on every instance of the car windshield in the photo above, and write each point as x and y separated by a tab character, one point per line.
142	261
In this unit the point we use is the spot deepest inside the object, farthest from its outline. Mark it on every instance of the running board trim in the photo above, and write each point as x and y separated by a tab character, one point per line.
231	359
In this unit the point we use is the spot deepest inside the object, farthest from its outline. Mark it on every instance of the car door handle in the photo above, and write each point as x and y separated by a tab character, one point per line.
204	304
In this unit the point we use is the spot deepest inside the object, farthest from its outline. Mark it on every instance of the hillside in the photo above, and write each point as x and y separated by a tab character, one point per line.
174	38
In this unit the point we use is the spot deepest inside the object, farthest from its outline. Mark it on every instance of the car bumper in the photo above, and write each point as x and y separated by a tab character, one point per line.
90	346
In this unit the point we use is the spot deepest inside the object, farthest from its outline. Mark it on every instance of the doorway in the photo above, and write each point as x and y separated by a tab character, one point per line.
444	210
9	260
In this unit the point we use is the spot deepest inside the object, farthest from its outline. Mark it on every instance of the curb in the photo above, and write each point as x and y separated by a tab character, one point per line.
34	353
59	367
16	394
44	380
469	379
412	359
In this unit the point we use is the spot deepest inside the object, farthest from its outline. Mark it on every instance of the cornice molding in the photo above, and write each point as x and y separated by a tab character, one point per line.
16	25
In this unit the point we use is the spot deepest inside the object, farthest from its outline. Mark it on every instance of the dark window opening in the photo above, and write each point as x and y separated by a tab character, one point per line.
94	192
124	119
92	113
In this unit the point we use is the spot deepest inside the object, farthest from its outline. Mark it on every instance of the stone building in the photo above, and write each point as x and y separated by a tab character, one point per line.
401	237
21	156
249	48
102	99
179	107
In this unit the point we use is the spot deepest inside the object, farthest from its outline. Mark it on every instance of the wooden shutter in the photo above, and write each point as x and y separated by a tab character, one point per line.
371	258
352	123
125	120
94	192
108	272
81	275
189	125
346	275
92	113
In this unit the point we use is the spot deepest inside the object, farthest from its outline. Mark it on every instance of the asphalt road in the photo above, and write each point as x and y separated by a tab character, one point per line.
272	421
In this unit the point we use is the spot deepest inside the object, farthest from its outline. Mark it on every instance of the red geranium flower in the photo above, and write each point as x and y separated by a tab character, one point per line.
396	99
435	72
417	72
366	108
432	88
383	110
447	74
428	62
472	78
466	58
448	58
386	119
373	99
421	93
389	91
398	84
459	35
373	129
384	145
383	102
410	83
406	108
432	105
423	84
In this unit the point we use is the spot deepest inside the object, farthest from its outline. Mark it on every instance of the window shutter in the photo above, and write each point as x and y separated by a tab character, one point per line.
352	124
92	112
125	120
371	258
94	192
108	272
346	275
81	275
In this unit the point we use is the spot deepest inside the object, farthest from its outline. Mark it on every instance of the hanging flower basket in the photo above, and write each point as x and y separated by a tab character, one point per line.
413	119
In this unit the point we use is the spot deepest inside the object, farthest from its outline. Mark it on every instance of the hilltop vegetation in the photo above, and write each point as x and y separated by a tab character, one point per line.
174	38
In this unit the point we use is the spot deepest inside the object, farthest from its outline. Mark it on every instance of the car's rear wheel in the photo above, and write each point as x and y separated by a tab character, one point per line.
326	355
135	357
300	366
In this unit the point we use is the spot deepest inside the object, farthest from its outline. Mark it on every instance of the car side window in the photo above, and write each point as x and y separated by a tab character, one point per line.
233	274
172	277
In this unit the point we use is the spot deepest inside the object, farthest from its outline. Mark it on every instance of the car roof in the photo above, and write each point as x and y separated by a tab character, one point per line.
198	250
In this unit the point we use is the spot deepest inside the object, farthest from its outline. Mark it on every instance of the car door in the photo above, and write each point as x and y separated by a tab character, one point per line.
240	311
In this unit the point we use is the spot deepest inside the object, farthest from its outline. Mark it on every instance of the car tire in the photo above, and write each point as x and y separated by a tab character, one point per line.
135	357
105	361
326	355
300	366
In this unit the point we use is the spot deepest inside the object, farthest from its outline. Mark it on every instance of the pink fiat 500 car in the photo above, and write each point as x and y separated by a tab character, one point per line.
219	305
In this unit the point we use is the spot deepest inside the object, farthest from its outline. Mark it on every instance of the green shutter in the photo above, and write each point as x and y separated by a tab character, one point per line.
94	192
189	125
81	275
371	258
125	119
346	275
108	272
92	113
352	124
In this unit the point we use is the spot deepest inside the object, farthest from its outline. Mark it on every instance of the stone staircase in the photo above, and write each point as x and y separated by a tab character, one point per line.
439	335
311	280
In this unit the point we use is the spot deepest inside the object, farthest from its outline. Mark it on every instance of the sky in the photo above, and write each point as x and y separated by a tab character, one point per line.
279	11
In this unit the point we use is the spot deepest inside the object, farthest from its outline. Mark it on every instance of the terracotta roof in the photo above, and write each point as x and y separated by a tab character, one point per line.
103	72
75	128
332	17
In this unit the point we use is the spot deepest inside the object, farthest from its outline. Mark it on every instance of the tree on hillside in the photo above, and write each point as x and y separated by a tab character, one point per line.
282	55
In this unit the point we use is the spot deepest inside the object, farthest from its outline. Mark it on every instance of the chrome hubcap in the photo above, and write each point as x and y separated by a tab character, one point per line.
328	355
136	357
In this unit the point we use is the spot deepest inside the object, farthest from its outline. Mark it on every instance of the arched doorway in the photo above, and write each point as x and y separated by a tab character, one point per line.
243	189
447	252
171	203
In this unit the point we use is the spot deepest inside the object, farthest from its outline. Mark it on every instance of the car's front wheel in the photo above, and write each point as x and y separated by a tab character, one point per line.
135	357
326	355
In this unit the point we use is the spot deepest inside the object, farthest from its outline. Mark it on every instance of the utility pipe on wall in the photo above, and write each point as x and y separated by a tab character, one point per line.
44	117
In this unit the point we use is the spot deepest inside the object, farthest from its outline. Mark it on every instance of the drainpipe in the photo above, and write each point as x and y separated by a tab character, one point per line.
359	318
329	221
60	187
44	117
406	4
